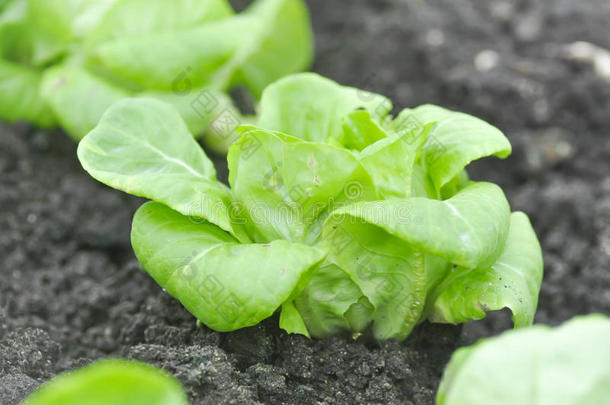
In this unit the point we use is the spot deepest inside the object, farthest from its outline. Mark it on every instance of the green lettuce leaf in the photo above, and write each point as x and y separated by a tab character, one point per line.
15	33
21	99
139	18
205	111
77	98
568	365
455	140
513	281
4	4
142	146
311	107
324	303
49	29
454	185
283	44
300	183
291	320
185	257
113	381
39	32
469	229
81	16
50	26
421	184
156	61
360	130
390	273
390	161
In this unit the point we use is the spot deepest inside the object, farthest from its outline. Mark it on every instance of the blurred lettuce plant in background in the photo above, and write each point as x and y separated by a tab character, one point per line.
64	62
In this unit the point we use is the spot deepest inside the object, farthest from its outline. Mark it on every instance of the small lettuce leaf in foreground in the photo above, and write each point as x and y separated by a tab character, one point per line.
341	231
511	282
216	278
114	381
568	365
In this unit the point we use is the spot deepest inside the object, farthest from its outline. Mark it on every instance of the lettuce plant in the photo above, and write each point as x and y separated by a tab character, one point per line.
568	365
65	62
114	381
339	215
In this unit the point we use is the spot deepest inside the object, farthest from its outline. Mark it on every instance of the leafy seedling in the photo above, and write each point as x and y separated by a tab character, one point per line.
342	217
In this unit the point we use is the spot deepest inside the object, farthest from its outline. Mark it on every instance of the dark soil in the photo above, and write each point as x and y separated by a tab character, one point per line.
71	290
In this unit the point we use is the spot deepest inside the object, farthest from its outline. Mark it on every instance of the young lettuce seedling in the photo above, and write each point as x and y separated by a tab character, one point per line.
114	381
339	215
65	62
568	365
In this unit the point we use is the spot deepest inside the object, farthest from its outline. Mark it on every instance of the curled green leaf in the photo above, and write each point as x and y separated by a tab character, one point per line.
455	140
216	278
469	229
311	107
142	146
513	281
325	302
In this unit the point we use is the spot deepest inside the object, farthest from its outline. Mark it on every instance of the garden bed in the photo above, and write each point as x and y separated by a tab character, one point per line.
71	289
